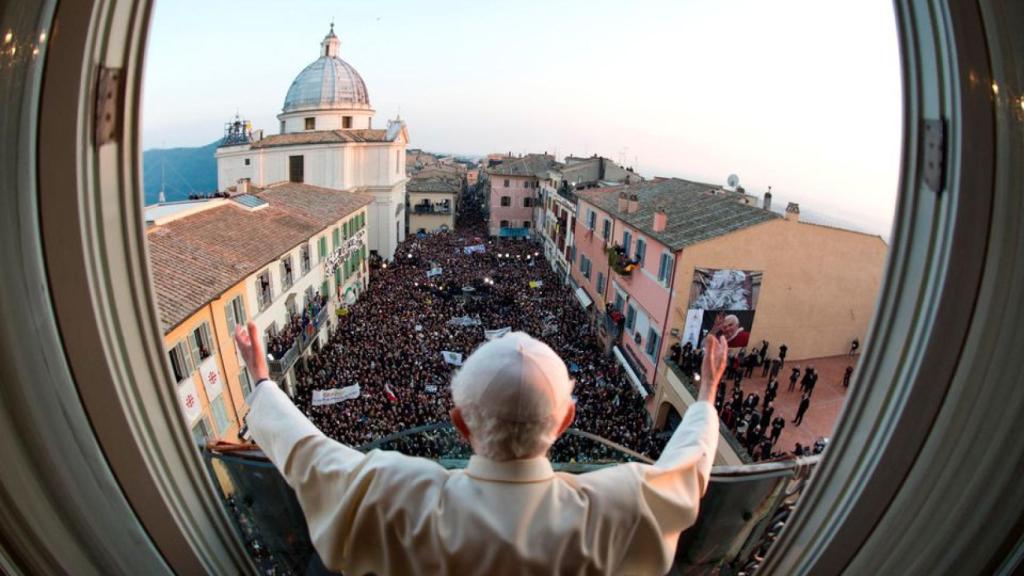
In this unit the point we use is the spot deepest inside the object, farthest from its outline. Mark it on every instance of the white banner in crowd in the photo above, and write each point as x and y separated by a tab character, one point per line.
477	248
493	334
189	400
464	321
431	388
211	378
434	272
454	358
335	395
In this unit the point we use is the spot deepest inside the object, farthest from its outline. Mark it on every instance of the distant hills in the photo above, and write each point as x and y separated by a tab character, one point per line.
183	171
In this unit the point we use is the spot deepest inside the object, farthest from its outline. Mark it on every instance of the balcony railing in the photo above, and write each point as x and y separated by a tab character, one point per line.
280	366
427	209
742	513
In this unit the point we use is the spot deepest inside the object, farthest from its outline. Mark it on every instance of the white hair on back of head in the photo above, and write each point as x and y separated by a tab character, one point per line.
499	439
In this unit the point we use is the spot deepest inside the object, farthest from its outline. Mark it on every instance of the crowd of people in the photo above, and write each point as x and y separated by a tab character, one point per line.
751	416
434	297
300	323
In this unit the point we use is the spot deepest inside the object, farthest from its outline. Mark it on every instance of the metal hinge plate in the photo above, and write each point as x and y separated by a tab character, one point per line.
934	154
108	104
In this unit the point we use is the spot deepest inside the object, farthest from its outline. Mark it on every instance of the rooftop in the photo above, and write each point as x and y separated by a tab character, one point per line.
433	184
323	137
197	257
696	212
529	165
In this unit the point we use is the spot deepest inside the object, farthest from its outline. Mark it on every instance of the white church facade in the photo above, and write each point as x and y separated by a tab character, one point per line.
327	139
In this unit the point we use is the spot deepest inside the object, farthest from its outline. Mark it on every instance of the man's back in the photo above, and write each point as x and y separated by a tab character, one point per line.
387	513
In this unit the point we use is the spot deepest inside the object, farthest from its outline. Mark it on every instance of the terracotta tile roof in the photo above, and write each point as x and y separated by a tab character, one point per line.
323	137
196	258
529	165
321	206
695	214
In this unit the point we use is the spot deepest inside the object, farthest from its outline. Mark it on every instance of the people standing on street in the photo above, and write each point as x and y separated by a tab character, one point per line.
805	403
782	353
793	377
846	376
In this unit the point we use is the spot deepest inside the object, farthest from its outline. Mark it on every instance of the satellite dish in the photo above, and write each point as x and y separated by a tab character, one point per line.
733	181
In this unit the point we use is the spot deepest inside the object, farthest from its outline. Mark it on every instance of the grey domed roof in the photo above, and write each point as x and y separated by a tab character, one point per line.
329	82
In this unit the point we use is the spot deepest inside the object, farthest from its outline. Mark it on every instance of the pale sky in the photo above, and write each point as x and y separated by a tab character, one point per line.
800	95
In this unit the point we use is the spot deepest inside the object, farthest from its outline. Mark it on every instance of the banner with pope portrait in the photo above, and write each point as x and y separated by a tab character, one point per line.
723	301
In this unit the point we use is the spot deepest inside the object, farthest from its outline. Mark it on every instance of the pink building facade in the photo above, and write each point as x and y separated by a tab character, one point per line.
511	204
632	297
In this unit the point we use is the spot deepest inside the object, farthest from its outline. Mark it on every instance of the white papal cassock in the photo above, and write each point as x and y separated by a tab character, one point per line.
387	513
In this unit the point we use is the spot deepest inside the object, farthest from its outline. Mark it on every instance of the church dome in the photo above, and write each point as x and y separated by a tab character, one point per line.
328	83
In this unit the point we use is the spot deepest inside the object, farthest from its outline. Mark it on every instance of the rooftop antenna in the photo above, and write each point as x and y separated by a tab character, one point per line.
733	181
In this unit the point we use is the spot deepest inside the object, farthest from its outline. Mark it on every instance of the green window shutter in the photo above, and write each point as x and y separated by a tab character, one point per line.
325	288
344	229
336	238
337	276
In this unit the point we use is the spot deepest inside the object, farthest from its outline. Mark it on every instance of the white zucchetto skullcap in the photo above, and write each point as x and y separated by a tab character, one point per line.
515	378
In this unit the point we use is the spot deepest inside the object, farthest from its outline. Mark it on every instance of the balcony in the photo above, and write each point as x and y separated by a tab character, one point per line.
619	262
743	512
431	209
280	366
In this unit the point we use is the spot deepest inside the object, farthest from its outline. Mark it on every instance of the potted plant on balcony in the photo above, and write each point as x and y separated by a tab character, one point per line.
619	262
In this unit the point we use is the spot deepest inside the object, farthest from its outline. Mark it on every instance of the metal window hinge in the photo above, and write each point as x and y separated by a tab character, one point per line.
934	154
108	105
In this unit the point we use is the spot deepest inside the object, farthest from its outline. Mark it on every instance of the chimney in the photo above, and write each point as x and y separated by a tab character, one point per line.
623	197
633	204
793	212
660	219
243	186
767	204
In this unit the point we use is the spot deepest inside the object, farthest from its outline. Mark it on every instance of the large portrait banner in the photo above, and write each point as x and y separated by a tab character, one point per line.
722	301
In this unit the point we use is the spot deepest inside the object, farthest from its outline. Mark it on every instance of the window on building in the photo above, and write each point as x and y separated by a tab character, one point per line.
264	292
506	200
665	268
503	224
627	242
282	126
585	266
201	432
246	161
296	168
310	123
620	301
220	415
325	287
344	230
181	362
651	348
346	121
286	272
528	202
322	245
201	343
506	182
304	258
630	317
310	295
335	238
606	229
245	381
234	311
600	282
398	161
591	219
641	250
